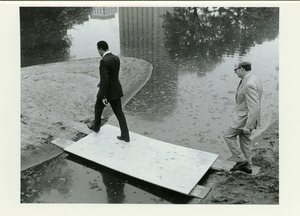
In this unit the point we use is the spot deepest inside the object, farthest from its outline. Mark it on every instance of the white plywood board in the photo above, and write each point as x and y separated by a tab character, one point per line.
167	165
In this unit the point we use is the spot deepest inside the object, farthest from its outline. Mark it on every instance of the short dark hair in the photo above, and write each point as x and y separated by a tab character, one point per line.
246	65
102	45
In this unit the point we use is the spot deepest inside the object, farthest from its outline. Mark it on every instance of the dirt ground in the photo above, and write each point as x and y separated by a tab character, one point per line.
55	97
240	188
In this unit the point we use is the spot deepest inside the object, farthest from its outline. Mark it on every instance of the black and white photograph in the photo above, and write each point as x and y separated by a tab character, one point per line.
150	104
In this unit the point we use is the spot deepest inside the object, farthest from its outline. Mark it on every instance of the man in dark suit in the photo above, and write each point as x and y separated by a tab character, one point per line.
110	91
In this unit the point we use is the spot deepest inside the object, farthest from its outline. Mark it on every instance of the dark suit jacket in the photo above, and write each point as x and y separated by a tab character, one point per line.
110	86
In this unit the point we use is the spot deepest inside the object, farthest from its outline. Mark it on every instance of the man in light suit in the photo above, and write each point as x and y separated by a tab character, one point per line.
110	91
246	117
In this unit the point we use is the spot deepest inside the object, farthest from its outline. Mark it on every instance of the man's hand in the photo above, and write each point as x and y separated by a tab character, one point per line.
247	131
104	101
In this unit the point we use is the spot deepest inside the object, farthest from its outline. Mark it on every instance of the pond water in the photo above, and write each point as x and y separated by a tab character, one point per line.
188	100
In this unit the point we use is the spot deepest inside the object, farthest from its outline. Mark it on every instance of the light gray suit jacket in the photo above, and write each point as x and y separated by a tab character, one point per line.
248	103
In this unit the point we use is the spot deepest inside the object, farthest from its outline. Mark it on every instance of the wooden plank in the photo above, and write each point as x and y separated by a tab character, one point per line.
167	165
62	143
222	165
199	191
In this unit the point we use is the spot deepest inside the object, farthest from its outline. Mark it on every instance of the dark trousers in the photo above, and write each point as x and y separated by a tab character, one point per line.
117	109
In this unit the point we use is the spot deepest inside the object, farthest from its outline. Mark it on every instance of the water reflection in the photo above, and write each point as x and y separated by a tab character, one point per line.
85	36
65	179
187	39
114	185
200	37
121	188
44	32
71	179
44	178
114	188
104	12
141	37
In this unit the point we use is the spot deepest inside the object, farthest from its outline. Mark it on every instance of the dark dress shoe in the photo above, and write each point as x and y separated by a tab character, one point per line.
242	166
246	169
123	138
238	165
93	128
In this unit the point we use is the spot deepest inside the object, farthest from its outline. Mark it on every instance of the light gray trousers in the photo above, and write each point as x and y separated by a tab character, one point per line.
241	150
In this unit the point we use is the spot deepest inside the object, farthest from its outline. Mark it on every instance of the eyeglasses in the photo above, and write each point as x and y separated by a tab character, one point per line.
236	69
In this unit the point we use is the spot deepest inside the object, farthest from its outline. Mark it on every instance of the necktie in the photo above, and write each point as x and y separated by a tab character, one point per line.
238	88
240	83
